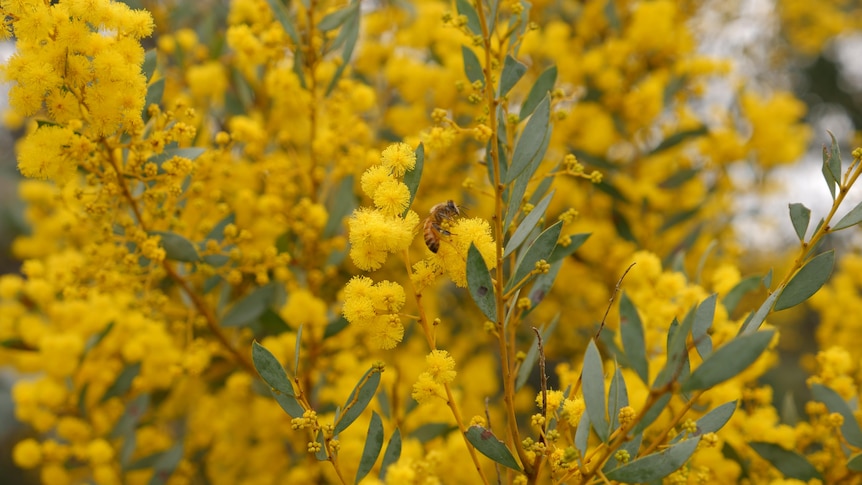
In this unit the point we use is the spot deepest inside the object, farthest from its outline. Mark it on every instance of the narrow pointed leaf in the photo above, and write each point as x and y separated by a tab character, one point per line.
631	446
539	250
412	177
364	392
472	67
529	144
732	298
250	307
166	464
850	219
800	216
836	404
341	205
512	73
632	333
651	414
855	462
582	434
177	247
575	242
373	444
677	351
542	284
806	281
123	383
618	398
479	283
789	463
284	19
656	466
273	374
488	444
729	360
756	319
526	226
711	421
703	318
466	9
335	19
392	453
593	385
544	85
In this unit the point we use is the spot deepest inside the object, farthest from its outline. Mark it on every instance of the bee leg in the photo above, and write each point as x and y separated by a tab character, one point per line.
440	229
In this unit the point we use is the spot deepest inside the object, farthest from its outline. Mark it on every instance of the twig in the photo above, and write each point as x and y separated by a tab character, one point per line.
611	301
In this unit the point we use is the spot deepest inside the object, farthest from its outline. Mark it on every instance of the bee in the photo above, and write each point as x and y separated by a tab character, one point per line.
434	230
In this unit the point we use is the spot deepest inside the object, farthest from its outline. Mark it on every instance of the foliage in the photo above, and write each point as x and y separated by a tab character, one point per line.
226	281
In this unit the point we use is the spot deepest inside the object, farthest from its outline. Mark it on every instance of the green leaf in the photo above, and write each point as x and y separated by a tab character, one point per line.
631	446
656	466
273	374
756	319
167	464
855	462
712	421
677	351
831	165
177	248
632	334
348	35
479	283
678	218
466	9
123	383
364	392
518	189
789	463
526	226
850	219
593	386
334	327
729	360
335	19
284	19
731	300
540	249
703	318
472	67
94	340
651	414
618	398
373	444
679	178
575	242
429	431
806	281
542	284
800	216
621	224
488	444
250	307
149	66
155	91
135	410
533	354
677	138
512	73
529	144
544	85
582	433
836	404
341	205
412	177
392	453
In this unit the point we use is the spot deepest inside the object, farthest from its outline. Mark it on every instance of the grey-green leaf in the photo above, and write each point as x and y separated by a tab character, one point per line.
512	73
488	444
539	250
582	434
472	67
716	418
544	84
284	19
341	205
703	317
790	463
364	391
836	404
392	453
855	462
575	242
155	91
800	216
729	360
756	320
731	300
850	219
466	9
655	466
373	444
412	177
526	226
618	398
348	35
177	247
831	165
479	283
531	140
250	307
166	464
632	333
593	385
807	281
123	383
652	413
273	374
335	19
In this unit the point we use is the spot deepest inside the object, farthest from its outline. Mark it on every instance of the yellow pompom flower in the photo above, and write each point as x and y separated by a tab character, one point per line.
441	366
573	409
27	453
452	255
426	388
391	197
399	157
